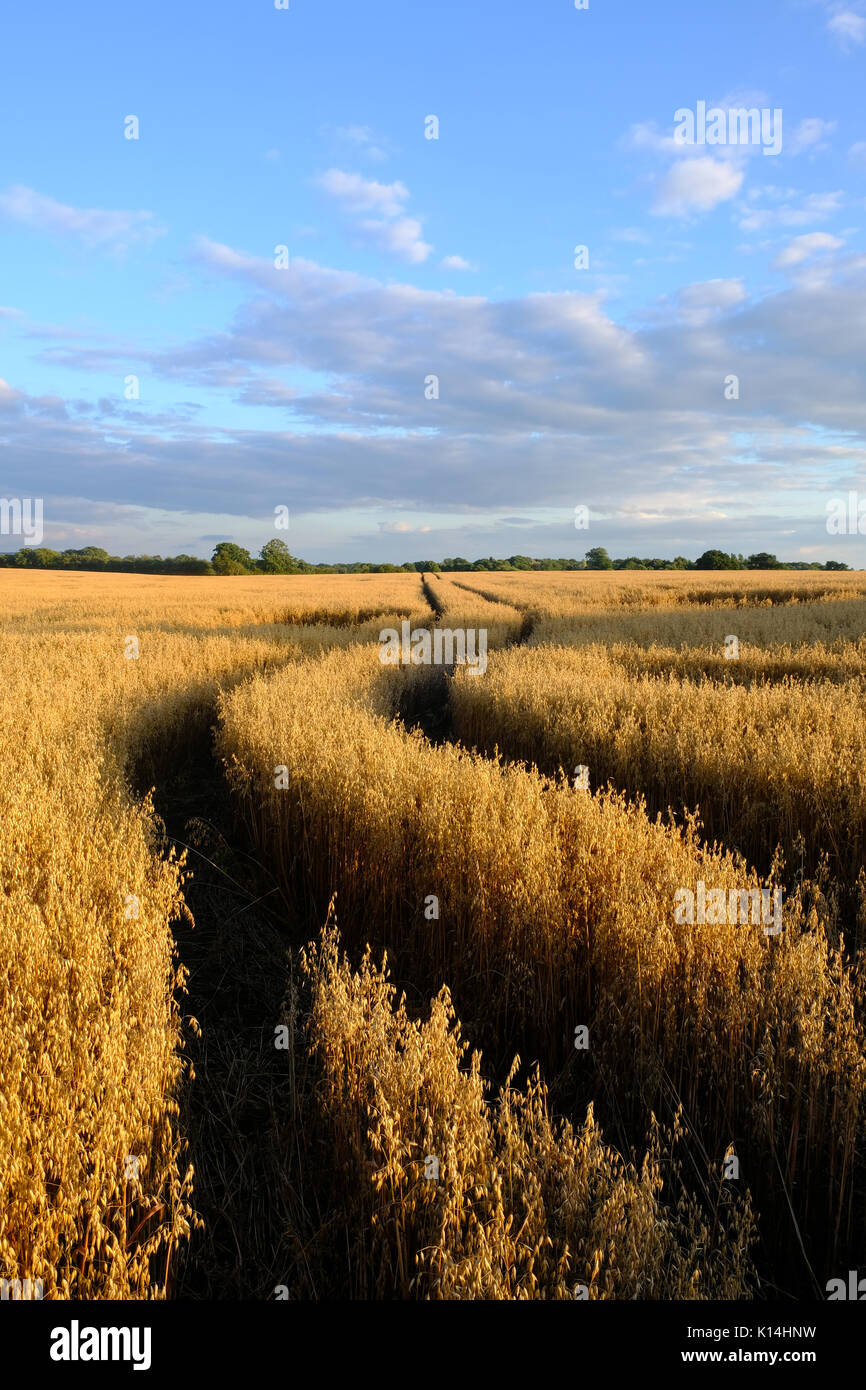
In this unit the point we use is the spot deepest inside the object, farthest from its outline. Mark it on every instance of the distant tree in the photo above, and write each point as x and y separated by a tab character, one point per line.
229	558
276	558
90	557
139	564
38	557
598	559
717	560
187	564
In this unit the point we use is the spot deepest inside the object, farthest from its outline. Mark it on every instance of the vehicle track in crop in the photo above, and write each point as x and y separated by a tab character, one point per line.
262	1177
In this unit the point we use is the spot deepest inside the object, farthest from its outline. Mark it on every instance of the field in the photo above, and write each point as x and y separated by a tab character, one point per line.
324	976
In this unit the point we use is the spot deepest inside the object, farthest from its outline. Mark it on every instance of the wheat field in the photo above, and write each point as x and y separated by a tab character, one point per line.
324	976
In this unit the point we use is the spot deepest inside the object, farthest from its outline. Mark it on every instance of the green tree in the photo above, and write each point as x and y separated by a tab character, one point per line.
90	557
763	560
717	560
40	558
187	564
229	558
598	559
276	558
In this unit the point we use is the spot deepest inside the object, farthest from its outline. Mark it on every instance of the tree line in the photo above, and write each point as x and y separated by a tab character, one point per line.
276	558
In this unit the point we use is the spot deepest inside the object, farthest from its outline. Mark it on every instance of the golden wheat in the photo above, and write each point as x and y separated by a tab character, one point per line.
470	1199
555	908
767	763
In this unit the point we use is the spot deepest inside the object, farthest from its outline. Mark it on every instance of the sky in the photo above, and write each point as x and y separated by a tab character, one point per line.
433	277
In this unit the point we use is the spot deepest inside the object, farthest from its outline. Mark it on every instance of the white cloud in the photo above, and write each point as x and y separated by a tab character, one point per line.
314	278
402	236
804	246
392	230
773	193
92	226
695	305
696	185
645	135
849	28
701	302
857	153
816	207
456	263
714	294
363	138
811	134
543	398
365	195
632	235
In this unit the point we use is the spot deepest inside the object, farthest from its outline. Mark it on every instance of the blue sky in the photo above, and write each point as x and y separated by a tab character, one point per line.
264	385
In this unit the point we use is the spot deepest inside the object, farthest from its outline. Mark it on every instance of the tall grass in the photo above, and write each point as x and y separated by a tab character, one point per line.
95	1189
477	1197
555	909
767	762
457	608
